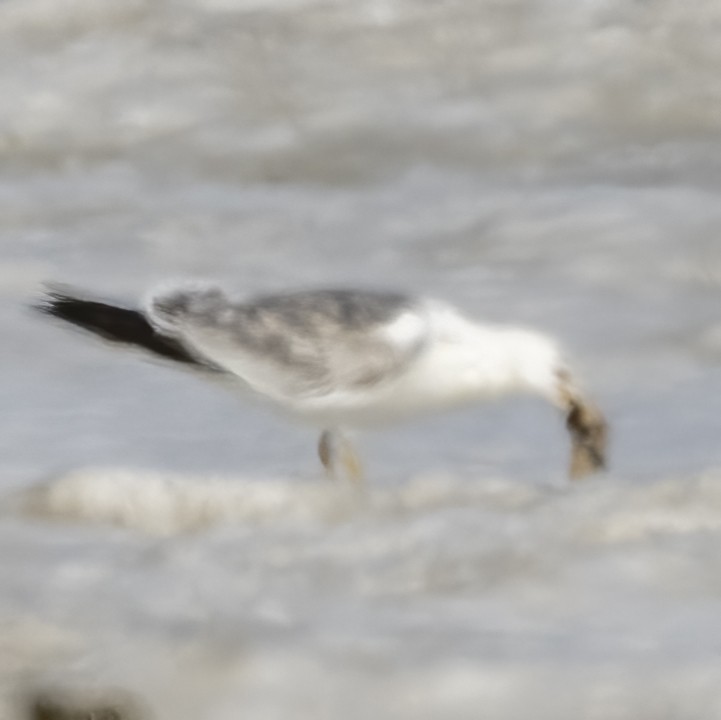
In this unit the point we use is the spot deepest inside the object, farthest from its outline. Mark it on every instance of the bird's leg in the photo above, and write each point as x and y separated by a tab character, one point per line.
351	462
587	427
326	453
338	456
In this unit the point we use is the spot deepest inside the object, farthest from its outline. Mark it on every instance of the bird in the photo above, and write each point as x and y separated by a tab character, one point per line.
344	359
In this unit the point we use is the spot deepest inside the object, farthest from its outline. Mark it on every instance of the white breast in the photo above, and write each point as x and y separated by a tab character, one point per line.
462	362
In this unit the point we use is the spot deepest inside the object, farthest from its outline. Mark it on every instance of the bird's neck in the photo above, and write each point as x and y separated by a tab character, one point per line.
513	360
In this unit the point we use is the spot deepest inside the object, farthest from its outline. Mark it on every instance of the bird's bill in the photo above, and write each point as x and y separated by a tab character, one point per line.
589	439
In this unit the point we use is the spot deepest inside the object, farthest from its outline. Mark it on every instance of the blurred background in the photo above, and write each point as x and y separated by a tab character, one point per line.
550	163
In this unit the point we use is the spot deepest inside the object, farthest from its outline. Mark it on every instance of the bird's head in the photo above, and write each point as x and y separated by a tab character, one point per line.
589	439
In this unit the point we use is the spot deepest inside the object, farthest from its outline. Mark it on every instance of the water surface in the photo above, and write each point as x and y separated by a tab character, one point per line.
553	164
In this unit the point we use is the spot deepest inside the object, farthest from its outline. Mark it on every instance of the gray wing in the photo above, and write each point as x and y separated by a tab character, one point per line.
304	344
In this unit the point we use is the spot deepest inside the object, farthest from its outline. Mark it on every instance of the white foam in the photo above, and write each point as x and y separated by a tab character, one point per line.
333	586
165	503
669	507
604	512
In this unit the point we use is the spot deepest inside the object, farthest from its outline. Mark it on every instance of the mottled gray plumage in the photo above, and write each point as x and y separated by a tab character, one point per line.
306	343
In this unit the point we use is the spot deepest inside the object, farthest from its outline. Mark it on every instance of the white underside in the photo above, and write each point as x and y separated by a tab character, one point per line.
442	377
462	363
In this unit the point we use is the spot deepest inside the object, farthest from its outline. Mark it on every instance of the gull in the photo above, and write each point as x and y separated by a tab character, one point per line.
345	359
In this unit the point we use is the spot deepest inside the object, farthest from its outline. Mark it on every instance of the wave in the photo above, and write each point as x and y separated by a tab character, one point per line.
165	503
602	511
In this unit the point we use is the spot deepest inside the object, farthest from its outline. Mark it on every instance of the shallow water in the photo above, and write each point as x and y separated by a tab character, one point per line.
552	164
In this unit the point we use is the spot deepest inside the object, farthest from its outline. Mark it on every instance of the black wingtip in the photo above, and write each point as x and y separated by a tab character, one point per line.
111	322
53	298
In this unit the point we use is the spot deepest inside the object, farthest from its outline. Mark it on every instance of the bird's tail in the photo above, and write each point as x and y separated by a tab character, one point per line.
113	323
